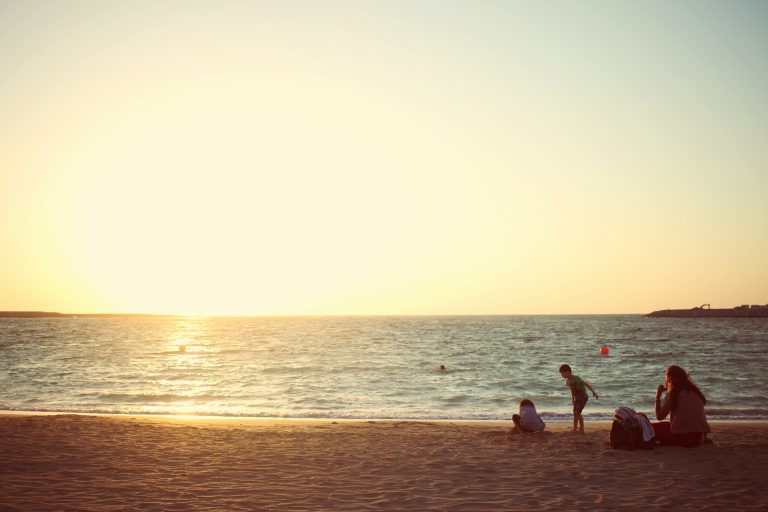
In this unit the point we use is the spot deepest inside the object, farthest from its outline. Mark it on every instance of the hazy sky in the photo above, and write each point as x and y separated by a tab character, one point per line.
414	157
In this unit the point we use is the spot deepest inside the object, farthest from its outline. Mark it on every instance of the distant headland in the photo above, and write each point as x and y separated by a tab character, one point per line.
50	314
705	311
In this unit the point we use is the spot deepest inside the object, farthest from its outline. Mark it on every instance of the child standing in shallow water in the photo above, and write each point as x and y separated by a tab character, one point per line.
579	395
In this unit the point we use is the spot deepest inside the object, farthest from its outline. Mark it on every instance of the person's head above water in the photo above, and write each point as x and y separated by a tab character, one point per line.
442	367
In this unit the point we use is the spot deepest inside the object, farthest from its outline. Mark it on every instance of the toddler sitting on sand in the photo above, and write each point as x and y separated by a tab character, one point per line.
528	420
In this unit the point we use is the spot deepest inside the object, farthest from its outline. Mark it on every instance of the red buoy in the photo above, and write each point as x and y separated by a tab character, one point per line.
604	350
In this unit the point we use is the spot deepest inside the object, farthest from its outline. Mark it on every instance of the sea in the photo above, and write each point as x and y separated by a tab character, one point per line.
375	367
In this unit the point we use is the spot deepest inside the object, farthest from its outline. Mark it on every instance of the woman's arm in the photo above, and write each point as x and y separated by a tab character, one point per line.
662	409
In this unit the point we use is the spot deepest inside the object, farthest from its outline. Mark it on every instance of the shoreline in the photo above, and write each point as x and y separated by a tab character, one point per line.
249	421
280	419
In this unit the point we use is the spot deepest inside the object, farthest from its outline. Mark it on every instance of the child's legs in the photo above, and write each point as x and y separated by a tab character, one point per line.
578	421
578	418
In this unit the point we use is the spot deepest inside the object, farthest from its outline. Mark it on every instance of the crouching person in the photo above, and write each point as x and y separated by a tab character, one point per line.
528	420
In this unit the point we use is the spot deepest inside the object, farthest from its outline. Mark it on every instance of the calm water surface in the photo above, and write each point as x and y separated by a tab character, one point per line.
378	367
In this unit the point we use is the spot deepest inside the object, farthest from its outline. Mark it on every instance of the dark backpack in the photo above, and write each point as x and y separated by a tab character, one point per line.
628	435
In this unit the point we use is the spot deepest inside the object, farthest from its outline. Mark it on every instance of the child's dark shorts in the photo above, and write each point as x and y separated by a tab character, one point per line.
578	404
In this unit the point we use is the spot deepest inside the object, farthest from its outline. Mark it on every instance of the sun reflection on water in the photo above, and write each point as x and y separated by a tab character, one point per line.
185	370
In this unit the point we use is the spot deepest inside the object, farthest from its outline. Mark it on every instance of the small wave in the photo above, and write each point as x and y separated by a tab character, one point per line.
150	398
457	399
737	414
290	369
557	417
125	397
58	410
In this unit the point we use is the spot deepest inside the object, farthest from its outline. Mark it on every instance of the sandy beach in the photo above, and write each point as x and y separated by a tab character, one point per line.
74	462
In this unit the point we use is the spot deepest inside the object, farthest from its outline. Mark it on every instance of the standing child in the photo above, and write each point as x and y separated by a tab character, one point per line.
578	395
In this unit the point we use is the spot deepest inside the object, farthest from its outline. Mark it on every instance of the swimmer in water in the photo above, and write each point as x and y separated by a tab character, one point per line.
443	368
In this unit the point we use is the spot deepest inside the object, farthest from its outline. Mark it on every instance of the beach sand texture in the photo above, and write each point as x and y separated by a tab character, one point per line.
105	463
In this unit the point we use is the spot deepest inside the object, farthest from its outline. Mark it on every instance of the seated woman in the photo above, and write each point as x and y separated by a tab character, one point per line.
684	403
528	420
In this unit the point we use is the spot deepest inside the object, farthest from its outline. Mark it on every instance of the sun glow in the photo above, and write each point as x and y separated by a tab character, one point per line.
271	214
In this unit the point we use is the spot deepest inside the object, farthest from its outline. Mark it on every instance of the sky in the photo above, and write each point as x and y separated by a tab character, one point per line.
382	158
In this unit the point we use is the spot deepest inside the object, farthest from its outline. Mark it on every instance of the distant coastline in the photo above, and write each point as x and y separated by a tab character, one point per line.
745	311
51	314
704	311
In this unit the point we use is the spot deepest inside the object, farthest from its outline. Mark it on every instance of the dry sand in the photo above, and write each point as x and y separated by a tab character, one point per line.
104	463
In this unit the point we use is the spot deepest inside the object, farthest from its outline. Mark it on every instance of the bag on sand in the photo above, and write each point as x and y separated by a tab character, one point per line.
627	431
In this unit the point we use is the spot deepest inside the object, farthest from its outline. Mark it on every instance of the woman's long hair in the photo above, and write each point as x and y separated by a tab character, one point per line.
680	382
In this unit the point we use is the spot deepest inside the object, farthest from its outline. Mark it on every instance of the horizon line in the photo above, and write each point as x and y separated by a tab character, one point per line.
54	314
